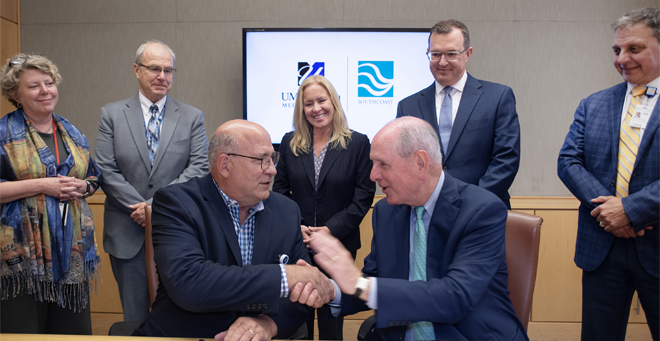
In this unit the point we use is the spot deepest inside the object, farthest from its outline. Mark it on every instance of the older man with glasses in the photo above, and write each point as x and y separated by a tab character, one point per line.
476	120
226	248
144	143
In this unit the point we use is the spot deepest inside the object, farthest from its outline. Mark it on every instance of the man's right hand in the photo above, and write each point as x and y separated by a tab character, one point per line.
138	213
308	285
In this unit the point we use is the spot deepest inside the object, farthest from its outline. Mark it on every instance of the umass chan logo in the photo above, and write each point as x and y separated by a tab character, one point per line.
306	70
375	78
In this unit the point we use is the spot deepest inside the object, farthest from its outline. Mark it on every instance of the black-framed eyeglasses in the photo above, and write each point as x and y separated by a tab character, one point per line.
155	70
265	161
451	56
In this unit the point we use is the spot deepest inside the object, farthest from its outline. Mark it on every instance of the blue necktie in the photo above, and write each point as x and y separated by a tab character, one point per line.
423	330
153	133
444	123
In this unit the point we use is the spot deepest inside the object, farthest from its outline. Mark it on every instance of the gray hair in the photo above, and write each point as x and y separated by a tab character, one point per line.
650	16
221	143
143	47
16	65
446	26
416	134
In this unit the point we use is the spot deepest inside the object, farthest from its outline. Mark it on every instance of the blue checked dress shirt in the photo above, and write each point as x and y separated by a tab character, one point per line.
245	235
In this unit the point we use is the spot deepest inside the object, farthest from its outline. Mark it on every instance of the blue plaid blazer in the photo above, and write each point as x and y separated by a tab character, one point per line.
587	166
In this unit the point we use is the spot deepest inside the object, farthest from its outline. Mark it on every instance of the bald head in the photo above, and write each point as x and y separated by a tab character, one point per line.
226	138
410	134
236	151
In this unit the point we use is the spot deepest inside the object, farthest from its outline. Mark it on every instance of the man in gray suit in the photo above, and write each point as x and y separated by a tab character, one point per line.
144	143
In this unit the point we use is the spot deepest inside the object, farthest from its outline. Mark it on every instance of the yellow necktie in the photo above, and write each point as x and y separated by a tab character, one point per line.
628	145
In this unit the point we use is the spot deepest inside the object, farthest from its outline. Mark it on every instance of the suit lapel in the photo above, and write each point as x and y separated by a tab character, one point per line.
222	216
262	232
615	110
442	221
331	156
649	131
402	240
170	120
427	106
308	165
469	98
133	113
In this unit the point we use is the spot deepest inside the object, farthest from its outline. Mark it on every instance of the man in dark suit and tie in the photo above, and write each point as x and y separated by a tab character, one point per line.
610	161
144	143
476	120
226	247
437	265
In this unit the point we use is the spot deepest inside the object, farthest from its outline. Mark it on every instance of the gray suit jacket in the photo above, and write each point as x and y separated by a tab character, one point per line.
128	178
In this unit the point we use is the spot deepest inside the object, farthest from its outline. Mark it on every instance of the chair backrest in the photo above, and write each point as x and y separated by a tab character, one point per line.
523	234
152	275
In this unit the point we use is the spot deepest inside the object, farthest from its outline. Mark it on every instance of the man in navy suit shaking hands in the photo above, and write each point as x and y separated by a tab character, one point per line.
610	161
436	268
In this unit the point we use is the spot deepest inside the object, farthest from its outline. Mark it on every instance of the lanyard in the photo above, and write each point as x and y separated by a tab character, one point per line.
57	151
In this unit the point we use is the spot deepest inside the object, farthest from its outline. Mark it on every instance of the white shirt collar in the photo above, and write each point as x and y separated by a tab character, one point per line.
654	83
460	85
145	103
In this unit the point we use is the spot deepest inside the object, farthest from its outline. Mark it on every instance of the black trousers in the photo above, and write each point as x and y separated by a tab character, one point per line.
607	293
25	315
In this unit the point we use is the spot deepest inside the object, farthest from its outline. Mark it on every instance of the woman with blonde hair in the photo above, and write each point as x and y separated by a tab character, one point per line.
324	167
48	253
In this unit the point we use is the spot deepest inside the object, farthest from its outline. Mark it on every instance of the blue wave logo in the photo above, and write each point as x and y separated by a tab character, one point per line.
375	79
305	70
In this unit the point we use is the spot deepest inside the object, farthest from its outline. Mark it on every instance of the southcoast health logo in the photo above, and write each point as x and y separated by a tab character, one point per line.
306	70
375	79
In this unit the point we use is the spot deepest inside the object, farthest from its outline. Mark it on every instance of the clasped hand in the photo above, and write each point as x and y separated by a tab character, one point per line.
308	285
613	219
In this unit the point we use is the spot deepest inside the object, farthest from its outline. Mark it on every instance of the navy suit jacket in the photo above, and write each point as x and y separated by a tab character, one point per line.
484	145
587	166
345	192
204	286
465	295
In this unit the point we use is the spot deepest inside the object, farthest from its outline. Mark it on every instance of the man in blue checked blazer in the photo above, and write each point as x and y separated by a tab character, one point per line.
611	162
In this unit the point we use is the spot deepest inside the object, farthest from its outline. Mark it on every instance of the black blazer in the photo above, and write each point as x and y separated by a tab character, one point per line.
204	286
345	191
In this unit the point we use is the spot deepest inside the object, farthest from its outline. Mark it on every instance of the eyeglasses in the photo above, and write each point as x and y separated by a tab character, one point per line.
20	60
155	70
451	56
265	161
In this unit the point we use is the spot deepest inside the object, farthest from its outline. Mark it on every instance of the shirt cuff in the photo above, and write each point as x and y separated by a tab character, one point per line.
284	283
335	305
372	301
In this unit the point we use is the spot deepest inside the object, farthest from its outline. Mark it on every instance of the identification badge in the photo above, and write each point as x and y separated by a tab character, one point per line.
640	116
64	212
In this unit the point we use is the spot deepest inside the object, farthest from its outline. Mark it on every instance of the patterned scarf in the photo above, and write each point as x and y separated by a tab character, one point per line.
38	254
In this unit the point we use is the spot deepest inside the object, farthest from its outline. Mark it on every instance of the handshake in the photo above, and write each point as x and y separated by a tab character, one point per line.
308	285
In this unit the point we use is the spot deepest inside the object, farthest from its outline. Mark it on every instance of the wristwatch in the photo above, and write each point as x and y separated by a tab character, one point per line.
361	285
89	186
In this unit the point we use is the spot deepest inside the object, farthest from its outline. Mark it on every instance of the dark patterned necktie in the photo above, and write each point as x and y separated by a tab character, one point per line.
153	133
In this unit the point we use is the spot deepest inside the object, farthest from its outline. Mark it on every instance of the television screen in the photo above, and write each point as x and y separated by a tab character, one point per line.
371	69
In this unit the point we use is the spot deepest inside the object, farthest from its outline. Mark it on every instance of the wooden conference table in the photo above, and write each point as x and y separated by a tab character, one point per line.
54	337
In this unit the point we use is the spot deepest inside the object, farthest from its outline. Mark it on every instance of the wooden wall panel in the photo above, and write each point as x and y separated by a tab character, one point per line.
106	297
9	46
9	10
557	295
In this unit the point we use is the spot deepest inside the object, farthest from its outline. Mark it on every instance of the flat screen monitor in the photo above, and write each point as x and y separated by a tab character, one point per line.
371	69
